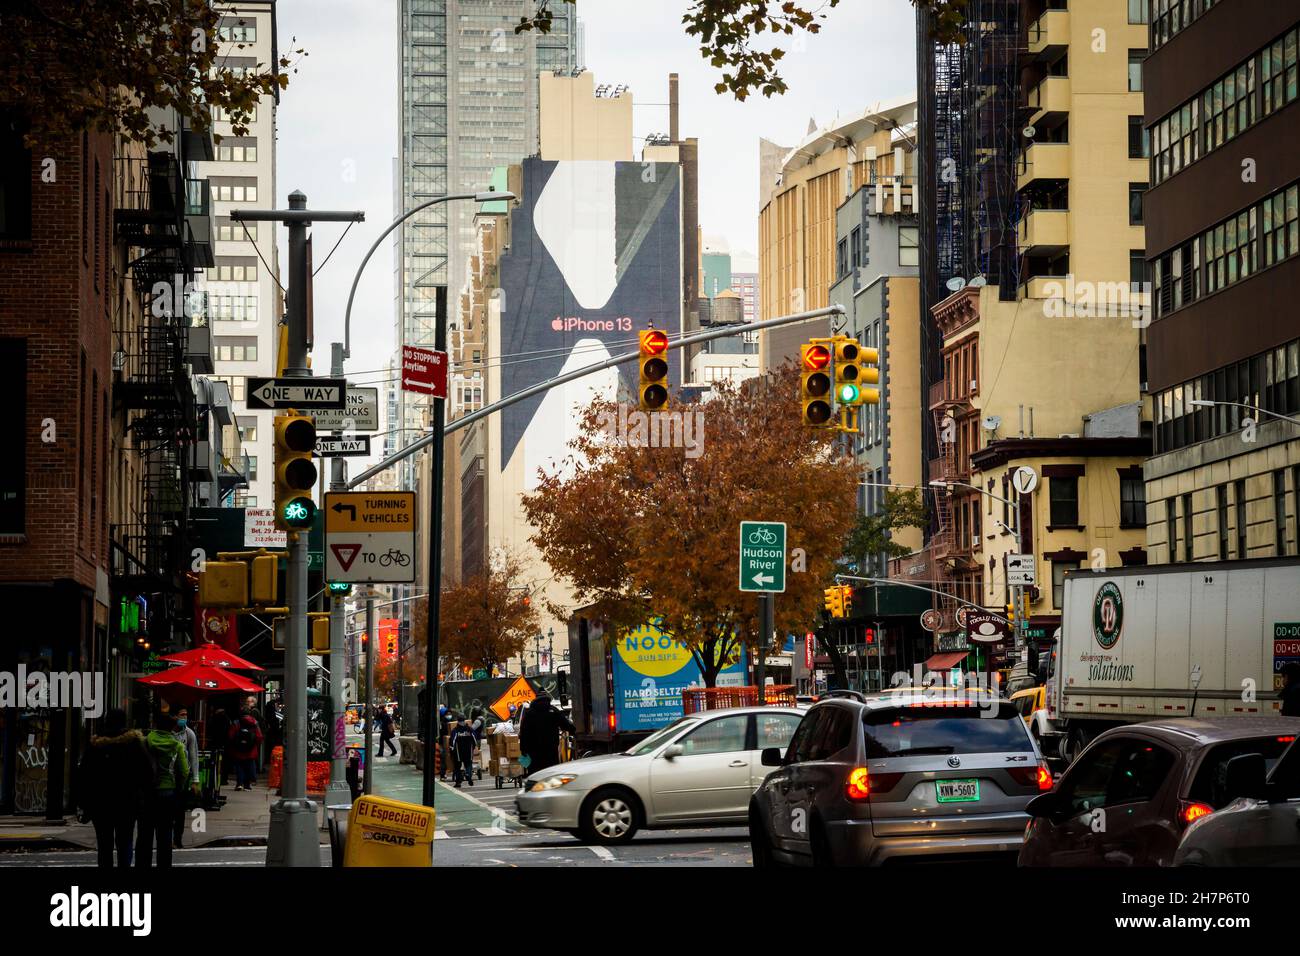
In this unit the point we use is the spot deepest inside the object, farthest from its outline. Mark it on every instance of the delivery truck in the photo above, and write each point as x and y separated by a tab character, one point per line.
1161	641
626	686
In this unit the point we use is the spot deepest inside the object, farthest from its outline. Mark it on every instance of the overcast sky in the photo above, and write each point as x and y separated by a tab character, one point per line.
338	123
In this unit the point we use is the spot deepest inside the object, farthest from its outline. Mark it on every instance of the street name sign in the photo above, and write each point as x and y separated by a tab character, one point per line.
370	537
327	447
361	414
424	371
762	556
1021	570
296	392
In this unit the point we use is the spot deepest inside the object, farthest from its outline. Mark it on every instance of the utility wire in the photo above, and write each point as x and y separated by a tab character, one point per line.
336	245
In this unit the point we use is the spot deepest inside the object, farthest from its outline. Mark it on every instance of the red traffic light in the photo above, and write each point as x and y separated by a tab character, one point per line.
653	342
816	357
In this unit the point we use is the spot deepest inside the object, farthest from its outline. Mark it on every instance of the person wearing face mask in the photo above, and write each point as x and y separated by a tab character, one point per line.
187	738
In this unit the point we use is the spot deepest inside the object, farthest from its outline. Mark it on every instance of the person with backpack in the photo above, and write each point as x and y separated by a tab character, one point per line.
171	773
245	744
113	779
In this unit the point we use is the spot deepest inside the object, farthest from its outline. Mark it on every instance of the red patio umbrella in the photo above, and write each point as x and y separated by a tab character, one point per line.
212	655
202	679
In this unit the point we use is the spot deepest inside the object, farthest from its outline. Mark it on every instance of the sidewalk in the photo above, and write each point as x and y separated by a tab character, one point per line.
243	820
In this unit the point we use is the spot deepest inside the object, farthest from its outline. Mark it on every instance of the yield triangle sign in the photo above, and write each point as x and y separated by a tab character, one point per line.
346	554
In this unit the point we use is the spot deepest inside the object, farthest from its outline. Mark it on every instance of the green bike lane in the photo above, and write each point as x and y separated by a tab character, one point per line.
458	810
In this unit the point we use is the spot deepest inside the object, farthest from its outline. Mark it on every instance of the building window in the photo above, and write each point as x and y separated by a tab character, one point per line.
247	429
1239	493
1189	542
240	349
237	31
16	187
237	149
1278	72
1058	580
236	272
1135	58
1221	506
855	247
1171	527
229	231
1137	11
842	259
1135	191
1132	501
252	467
1137	270
1229	251
908	245
222	115
1281	233
1063	495
1139	143
1279	511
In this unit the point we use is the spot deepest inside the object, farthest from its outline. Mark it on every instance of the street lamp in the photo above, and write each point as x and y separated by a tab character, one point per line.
1210	403
435	528
1015	531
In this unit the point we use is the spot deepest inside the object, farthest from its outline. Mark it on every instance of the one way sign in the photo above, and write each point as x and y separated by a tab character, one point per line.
297	392
342	447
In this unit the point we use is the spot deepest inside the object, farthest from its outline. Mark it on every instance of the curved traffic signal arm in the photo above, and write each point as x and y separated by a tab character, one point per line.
295	472
652	387
848	372
815	384
869	360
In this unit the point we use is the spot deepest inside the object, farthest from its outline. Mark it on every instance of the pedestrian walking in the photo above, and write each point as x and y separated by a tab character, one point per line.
245	744
462	750
113	780
539	734
185	736
444	731
1290	692
171	771
386	732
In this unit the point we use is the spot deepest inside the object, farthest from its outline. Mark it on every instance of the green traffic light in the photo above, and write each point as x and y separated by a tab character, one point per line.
299	512
848	393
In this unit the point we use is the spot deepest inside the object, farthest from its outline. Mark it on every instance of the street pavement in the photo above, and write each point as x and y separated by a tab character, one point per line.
477	826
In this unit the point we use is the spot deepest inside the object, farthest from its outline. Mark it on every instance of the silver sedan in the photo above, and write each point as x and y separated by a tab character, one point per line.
698	771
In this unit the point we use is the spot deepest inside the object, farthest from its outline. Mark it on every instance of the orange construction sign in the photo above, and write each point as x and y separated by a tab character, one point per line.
518	693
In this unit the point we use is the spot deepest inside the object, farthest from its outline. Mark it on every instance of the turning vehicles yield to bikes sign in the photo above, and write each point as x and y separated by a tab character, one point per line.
370	537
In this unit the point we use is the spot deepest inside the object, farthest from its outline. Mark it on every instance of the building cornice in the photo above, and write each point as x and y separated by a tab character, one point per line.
1007	450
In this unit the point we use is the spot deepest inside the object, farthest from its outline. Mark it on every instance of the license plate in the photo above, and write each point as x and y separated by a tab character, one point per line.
957	791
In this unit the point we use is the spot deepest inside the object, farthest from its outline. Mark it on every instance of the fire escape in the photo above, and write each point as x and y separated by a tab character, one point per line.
159	219
951	545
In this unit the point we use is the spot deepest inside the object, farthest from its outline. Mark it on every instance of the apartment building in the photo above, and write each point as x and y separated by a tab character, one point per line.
1223	244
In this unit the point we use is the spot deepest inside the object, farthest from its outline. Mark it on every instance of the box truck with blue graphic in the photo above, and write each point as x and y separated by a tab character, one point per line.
624	687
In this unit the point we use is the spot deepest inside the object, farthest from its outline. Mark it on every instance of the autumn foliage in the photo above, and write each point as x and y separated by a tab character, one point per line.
644	532
485	620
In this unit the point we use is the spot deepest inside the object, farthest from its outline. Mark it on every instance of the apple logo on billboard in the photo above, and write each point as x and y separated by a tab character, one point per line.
557	324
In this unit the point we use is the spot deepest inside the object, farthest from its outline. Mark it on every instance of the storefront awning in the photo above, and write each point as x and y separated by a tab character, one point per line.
945	662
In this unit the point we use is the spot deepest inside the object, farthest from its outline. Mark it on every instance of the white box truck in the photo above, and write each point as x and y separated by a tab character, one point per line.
1178	640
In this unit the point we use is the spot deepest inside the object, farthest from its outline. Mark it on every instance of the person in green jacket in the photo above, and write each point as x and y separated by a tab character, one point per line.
171	774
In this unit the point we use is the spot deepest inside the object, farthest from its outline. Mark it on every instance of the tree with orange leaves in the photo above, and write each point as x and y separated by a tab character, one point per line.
485	620
644	532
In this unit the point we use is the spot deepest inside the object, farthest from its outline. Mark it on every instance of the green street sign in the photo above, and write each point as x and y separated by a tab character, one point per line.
762	556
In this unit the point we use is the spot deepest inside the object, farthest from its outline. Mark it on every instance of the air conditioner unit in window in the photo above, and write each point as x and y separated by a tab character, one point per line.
974	385
907	199
975	542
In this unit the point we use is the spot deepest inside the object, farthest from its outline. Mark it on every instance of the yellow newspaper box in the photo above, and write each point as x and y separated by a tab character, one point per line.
384	832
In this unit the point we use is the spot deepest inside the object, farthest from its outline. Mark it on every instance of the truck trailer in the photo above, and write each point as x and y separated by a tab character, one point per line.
1180	640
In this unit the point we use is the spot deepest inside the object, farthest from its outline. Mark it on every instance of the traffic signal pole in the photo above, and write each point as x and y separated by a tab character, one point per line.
435	561
293	838
339	793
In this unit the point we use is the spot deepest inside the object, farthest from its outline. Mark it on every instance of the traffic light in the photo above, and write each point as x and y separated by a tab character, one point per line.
223	584
815	384
653	386
848	373
835	601
318	632
846	600
1011	614
868	363
295	474
265	575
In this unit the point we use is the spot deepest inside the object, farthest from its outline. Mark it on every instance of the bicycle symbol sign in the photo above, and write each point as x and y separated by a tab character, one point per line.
370	537
762	556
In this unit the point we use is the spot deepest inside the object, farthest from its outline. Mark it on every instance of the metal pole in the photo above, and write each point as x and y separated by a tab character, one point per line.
339	794
368	694
292	839
766	625
435	559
